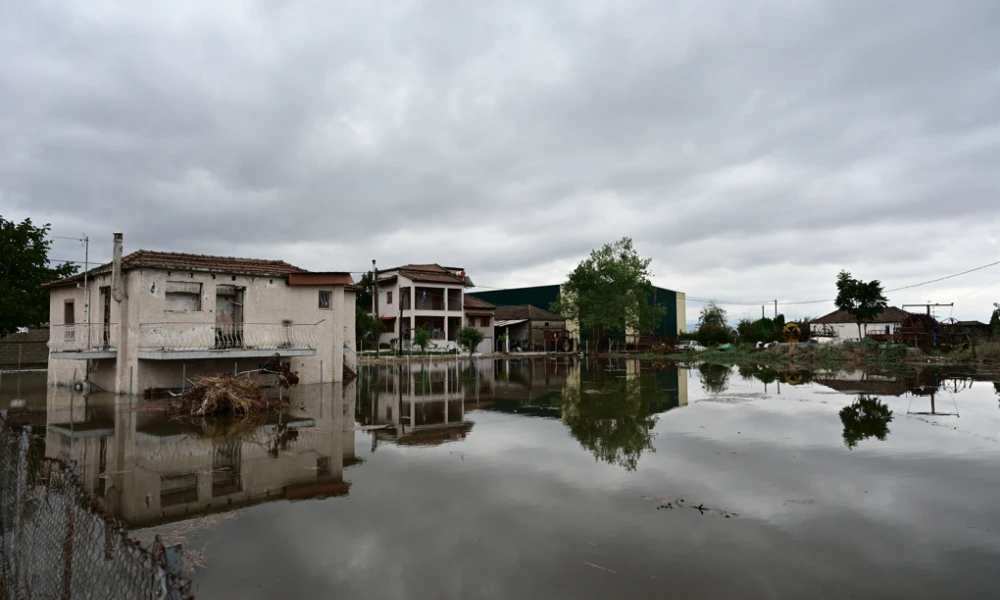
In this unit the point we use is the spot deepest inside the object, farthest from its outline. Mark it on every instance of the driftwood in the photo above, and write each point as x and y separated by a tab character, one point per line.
226	395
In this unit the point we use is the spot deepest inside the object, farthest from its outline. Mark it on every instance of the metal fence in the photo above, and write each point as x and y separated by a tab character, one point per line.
57	542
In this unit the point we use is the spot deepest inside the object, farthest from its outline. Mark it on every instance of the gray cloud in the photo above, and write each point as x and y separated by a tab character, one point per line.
752	150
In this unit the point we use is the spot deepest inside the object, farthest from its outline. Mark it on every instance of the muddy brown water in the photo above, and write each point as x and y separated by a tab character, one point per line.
542	478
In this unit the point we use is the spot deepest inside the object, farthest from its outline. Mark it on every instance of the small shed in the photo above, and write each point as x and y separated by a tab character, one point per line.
532	329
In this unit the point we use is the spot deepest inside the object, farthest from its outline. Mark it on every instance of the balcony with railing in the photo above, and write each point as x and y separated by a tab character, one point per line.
168	341
84	341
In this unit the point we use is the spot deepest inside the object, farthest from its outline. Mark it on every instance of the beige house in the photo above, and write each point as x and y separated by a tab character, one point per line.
157	319
429	296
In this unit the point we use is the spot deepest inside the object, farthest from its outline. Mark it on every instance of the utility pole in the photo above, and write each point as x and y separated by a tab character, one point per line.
378	322
86	288
775	308
761	311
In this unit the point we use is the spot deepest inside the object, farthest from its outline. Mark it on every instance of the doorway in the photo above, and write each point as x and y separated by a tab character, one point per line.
228	316
105	293
69	320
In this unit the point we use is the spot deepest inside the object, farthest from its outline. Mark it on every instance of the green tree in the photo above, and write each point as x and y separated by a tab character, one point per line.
995	320
864	301
714	378
608	293
422	338
24	251
470	338
866	417
713	327
363	295
366	328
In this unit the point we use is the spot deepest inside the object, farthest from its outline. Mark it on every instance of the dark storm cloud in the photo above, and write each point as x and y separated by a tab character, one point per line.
512	138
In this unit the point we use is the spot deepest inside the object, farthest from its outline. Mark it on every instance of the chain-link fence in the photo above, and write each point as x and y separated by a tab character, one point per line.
57	542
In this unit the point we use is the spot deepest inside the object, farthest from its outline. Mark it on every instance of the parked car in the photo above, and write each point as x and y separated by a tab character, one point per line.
689	346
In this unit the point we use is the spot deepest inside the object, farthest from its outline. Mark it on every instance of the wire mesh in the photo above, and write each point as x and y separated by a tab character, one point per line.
57	542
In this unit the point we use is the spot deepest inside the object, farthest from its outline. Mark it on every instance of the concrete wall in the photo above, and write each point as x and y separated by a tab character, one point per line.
410	315
25	350
488	344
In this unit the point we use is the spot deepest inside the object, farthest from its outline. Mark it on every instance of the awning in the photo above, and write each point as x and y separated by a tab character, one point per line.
478	314
509	322
388	318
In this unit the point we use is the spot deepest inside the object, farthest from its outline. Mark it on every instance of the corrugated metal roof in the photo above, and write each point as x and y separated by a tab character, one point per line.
507	322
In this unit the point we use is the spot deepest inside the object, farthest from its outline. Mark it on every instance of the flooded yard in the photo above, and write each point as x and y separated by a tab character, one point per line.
552	478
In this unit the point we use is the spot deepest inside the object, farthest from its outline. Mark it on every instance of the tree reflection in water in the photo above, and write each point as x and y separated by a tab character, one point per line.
615	422
714	378
866	417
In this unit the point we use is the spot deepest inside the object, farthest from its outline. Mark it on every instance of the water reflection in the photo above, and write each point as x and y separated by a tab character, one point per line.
609	407
149	469
867	417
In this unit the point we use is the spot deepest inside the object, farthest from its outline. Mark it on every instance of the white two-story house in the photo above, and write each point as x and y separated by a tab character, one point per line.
153	320
429	296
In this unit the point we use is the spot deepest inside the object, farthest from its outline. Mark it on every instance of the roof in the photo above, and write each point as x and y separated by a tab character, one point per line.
525	311
507	322
432	273
890	315
149	259
473	302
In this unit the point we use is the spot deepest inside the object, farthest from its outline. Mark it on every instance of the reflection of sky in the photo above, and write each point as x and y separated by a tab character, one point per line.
519	509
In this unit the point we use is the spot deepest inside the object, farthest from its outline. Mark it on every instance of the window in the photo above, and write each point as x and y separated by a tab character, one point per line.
182	296
485	322
388	298
325	298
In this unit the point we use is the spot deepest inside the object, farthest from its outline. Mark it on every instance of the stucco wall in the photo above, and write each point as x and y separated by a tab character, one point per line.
849	331
266	300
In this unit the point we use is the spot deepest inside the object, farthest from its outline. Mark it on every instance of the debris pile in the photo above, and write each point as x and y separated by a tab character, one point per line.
226	395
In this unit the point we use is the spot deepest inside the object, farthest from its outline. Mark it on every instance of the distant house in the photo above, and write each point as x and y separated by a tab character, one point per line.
841	325
530	328
428	296
480	314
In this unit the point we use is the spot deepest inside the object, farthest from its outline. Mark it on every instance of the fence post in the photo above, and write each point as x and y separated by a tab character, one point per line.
20	491
172	563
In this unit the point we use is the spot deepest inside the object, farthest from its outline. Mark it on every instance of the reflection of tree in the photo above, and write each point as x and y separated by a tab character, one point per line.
866	417
615	424
714	378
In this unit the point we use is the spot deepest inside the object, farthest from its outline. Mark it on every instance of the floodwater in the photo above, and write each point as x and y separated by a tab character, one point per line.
556	478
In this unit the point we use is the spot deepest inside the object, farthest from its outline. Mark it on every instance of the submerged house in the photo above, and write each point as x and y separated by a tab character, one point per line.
157	319
530	328
428	296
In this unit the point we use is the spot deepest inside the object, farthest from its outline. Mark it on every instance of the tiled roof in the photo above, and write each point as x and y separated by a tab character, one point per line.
473	302
525	311
890	315
432	273
148	259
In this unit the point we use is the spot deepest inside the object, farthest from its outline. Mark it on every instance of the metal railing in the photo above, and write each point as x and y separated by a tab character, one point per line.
180	337
57	542
83	337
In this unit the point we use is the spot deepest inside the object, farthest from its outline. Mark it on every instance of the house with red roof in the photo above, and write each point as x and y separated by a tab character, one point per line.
153	319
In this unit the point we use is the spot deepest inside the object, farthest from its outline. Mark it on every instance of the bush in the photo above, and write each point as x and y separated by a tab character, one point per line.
988	351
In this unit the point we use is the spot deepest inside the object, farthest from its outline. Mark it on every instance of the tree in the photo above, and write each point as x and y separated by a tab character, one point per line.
609	292
366	327
713	327
422	338
864	301
363	295
995	321
714	378
469	337
24	250
866	417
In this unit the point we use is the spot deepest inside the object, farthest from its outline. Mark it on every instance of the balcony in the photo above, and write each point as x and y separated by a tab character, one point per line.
174	341
84	341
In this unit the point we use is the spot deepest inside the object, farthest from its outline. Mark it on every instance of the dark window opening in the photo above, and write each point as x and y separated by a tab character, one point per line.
325	299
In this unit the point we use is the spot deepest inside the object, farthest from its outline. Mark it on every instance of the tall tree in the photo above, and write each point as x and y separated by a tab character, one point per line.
24	267
363	296
866	417
713	325
864	301
609	292
995	321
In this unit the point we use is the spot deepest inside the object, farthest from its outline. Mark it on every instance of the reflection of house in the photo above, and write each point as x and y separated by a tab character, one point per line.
841	325
428	296
148	469
423	406
673	322
530	328
157	317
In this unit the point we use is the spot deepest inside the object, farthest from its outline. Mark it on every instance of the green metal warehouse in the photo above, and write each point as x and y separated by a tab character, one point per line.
674	321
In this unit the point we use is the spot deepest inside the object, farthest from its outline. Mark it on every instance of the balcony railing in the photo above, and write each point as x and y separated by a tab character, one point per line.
187	337
83	337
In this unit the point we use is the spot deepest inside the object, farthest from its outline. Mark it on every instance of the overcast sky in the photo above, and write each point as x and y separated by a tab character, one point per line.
753	149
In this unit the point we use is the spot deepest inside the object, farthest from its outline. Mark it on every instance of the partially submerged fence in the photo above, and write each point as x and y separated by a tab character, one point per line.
57	542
